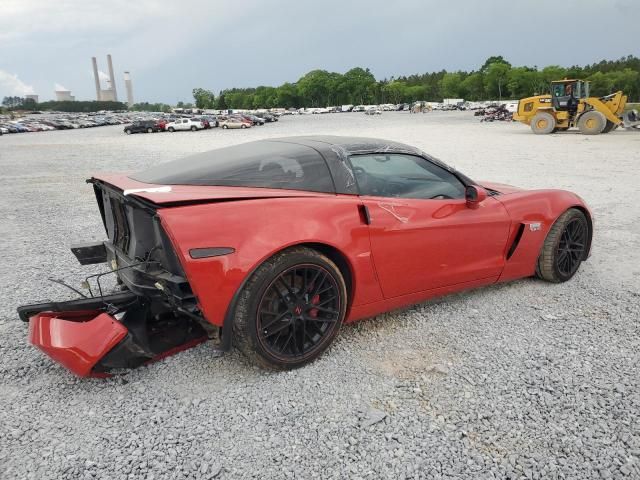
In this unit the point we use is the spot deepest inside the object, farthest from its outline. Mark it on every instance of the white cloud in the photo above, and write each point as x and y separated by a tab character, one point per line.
10	84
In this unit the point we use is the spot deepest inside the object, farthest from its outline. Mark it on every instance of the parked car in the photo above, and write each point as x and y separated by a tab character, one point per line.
235	122
255	120
205	246
143	126
184	124
268	117
162	123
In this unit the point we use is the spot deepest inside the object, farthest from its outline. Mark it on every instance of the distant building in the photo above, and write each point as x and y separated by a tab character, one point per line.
109	94
129	86
31	97
64	96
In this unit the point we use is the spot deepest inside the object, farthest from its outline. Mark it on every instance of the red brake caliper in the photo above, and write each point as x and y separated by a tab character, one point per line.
314	311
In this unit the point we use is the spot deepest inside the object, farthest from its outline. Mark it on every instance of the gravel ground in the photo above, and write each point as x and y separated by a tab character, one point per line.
522	380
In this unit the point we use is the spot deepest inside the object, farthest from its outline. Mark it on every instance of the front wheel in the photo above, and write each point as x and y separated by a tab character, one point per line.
149	130
194	128
225	127
565	247
127	131
243	126
592	123
171	129
290	310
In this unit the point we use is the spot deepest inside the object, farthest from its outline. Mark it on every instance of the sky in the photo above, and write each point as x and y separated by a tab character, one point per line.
172	47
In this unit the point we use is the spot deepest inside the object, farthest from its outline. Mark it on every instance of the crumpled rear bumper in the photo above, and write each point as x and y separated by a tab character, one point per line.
76	339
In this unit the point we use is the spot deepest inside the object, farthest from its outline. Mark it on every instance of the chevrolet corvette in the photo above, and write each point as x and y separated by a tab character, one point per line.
272	245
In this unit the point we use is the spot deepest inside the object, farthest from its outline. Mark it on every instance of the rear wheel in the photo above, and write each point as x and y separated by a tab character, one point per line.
564	248
127	131
225	126
543	123
592	123
171	129
194	128
243	126
149	130
290	310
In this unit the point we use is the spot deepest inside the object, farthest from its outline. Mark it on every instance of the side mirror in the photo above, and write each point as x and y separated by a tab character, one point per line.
475	195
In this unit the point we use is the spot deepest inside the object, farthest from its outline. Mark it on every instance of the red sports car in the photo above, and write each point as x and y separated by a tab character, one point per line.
273	245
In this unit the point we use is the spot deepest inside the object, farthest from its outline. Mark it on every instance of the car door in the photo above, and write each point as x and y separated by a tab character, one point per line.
423	233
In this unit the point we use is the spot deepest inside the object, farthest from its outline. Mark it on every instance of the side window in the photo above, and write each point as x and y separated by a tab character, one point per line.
404	176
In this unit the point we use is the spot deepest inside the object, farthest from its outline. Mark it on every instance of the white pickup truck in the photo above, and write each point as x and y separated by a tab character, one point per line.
184	124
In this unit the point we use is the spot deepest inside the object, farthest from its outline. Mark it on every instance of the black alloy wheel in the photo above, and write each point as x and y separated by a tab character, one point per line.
298	311
571	248
290	310
565	248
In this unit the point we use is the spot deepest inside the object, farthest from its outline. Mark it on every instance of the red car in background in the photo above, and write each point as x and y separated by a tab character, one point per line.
273	245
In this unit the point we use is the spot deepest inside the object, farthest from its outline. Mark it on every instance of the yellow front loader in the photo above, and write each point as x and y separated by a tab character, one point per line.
570	105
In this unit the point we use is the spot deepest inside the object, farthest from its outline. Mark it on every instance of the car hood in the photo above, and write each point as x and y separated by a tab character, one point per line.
187	194
501	187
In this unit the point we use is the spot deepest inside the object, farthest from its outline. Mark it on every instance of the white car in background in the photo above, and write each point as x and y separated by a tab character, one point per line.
184	124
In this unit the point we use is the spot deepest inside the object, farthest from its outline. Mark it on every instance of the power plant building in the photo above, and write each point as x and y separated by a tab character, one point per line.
129	87
64	96
110	93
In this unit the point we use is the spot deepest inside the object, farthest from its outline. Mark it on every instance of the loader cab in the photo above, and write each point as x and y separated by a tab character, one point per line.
566	94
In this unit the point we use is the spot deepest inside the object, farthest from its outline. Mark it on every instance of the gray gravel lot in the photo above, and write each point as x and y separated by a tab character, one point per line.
522	380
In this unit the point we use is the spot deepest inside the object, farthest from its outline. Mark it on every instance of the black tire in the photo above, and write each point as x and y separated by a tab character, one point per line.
149	130
284	291
243	126
609	127
225	126
543	123
592	122
171	129
565	247
194	128
127	131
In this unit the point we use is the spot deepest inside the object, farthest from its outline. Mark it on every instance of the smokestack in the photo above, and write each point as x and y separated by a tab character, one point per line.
96	77
112	78
129	86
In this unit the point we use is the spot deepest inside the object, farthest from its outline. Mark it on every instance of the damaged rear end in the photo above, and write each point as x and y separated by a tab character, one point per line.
153	313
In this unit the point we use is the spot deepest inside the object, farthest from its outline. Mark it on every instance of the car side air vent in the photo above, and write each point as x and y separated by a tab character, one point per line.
516	241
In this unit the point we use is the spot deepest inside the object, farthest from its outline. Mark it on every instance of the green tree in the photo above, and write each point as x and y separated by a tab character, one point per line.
222	102
287	96
395	91
496	79
473	85
523	81
551	73
204	98
314	88
451	85
359	82
492	60
150	107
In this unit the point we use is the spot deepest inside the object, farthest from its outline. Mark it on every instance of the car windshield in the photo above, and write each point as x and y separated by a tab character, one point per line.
256	164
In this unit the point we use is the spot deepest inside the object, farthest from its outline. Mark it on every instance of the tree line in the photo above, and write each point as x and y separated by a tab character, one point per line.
20	103
496	79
